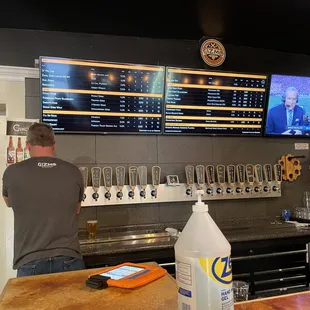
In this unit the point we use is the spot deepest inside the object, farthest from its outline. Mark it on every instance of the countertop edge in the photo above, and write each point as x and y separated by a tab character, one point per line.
246	238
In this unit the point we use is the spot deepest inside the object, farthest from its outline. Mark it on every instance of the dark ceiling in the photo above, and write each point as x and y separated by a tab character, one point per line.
275	24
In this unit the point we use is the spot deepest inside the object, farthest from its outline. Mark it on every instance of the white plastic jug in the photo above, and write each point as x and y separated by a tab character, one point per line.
203	264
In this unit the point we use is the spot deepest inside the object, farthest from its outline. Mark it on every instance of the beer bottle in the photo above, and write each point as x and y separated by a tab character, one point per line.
26	152
11	152
19	151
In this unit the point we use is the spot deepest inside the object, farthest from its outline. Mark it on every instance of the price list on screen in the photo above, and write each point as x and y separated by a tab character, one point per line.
210	102
87	96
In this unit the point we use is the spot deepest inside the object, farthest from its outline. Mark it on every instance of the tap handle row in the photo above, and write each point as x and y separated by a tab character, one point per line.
134	173
240	173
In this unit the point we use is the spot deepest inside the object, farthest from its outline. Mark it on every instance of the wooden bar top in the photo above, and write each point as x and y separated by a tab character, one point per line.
297	301
68	291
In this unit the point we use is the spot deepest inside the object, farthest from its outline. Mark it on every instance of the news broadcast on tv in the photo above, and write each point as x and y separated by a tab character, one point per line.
289	106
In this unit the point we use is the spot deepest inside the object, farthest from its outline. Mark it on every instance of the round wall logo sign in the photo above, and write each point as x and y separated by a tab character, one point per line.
213	52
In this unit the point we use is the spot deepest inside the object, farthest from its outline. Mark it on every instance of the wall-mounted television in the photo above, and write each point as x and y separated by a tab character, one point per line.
288	112
200	102
81	96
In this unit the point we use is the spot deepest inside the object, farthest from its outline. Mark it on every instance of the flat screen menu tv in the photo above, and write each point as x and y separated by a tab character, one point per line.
214	103
288	112
99	97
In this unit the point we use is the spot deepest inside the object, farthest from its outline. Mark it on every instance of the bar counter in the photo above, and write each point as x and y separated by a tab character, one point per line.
112	241
68	291
298	301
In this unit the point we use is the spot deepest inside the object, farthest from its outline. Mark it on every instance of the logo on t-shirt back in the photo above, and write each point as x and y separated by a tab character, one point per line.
47	165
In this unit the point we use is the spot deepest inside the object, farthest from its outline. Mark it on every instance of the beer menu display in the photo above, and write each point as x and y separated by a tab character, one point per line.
210	102
99	97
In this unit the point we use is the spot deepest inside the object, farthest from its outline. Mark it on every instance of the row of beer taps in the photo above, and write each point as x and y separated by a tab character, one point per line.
237	178
219	180
133	172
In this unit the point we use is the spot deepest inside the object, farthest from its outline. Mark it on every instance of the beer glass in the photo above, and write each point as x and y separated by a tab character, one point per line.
92	227
241	291
307	200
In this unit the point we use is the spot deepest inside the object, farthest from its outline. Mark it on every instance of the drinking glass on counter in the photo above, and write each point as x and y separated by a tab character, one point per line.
92	227
302	213
298	212
241	291
307	200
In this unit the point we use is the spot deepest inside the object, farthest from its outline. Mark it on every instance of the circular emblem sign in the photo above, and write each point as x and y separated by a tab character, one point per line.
213	52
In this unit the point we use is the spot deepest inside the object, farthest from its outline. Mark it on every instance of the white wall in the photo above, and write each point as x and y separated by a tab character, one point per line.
12	93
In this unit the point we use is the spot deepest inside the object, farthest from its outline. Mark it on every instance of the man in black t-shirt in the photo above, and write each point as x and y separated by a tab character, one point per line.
45	194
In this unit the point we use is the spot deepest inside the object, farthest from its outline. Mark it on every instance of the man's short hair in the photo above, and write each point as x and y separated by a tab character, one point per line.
291	88
40	134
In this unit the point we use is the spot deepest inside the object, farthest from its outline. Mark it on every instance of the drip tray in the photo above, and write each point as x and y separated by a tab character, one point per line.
129	237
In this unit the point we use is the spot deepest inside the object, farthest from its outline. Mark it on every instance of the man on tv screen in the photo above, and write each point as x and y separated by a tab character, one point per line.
286	117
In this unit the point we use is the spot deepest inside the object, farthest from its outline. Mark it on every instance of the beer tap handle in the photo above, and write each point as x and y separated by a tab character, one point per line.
268	173
231	177
221	175
231	174
107	180
277	169
190	175
200	173
84	172
96	181
210	172
142	174
258	169
240	178
249	169
156	171
120	180
268	176
133	180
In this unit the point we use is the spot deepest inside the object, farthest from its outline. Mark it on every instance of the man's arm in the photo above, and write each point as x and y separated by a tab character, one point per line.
81	192
302	117
300	121
78	208
5	193
6	199
273	118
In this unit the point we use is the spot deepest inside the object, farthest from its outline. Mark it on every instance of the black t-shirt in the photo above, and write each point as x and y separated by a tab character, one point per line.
44	193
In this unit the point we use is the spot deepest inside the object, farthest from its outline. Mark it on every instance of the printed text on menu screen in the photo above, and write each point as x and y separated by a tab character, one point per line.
201	102
79	96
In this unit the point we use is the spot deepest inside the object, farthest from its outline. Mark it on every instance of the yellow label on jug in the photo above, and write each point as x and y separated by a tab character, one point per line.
218	269
204	283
